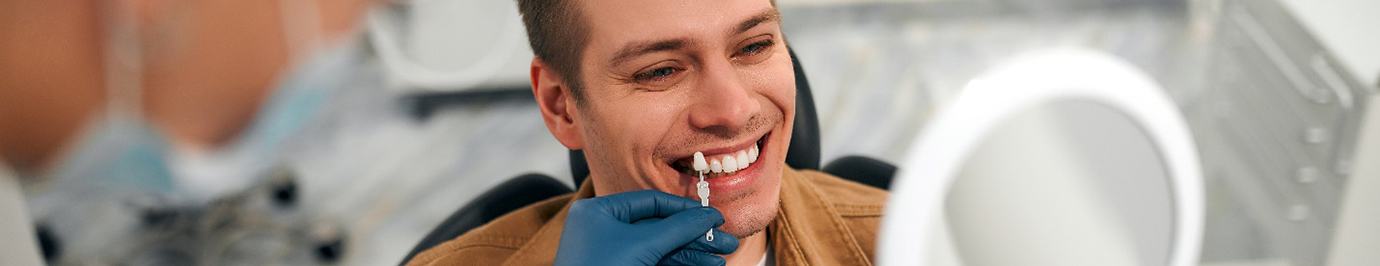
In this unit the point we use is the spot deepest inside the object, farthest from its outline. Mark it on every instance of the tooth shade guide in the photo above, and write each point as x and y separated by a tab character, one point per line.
700	164
702	188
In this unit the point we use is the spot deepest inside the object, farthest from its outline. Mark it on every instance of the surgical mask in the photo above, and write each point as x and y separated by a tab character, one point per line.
318	72
264	143
118	152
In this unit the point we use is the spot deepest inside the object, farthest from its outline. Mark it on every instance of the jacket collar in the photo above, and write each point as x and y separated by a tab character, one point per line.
809	230
541	248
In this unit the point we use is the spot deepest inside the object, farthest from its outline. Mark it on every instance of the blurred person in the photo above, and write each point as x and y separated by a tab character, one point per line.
187	77
173	98
640	87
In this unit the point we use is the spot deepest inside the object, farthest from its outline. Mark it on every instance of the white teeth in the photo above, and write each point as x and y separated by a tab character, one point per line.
730	164
752	154
700	164
742	160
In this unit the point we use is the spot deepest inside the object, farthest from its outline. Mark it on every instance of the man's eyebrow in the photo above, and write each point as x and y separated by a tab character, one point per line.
768	15
640	48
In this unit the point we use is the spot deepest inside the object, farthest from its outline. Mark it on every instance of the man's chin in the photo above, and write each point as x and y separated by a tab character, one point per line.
746	230
748	218
749	225
750	211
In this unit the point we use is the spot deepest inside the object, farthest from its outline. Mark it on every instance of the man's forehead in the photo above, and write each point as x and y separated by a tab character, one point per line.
617	23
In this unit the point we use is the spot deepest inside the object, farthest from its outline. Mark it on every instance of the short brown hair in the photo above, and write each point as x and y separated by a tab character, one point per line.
557	34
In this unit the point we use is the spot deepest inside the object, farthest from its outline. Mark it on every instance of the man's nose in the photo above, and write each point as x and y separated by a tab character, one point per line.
724	99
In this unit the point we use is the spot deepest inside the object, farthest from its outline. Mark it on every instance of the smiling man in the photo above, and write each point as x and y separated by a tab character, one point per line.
641	86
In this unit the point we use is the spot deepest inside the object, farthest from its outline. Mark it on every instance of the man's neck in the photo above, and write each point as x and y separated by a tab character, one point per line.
750	250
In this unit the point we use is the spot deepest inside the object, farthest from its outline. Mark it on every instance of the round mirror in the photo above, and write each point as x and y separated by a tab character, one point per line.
1057	158
1067	183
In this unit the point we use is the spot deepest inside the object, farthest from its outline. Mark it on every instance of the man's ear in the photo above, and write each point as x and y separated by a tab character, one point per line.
557	104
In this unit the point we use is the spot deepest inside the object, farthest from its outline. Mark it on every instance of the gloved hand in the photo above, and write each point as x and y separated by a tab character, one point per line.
642	228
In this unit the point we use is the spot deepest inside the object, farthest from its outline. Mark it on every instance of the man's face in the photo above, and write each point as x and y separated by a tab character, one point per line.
665	79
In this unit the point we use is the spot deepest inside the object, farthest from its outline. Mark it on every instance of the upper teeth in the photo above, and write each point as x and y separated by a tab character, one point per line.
727	163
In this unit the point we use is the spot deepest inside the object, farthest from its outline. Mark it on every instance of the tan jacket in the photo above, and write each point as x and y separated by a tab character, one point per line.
823	220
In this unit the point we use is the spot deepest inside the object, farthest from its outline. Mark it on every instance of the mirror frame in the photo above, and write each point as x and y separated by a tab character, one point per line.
937	155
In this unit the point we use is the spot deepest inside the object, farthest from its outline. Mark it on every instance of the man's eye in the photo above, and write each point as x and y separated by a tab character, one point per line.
755	48
655	74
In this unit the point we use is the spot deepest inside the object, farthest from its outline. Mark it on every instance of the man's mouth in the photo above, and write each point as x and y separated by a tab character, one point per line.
724	161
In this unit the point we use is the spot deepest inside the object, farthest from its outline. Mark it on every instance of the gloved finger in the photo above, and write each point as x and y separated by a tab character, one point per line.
682	228
691	257
637	205
723	243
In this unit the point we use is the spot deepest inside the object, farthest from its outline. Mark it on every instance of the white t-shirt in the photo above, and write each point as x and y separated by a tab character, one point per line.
766	258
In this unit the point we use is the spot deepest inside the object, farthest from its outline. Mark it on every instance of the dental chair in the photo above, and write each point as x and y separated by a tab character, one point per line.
533	187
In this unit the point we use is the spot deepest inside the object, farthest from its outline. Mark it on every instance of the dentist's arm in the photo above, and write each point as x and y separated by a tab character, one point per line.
642	228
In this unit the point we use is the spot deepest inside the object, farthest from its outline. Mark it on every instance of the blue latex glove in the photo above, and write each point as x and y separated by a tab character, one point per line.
642	228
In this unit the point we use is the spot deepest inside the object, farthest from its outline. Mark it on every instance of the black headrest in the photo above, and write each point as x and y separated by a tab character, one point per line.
803	152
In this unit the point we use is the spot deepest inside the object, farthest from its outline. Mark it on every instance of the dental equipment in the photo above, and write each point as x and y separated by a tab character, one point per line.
702	188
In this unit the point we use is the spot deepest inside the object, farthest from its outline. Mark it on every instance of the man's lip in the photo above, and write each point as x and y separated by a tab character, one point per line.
729	183
687	159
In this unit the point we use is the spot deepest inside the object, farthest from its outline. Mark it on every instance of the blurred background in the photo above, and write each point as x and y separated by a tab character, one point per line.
210	132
